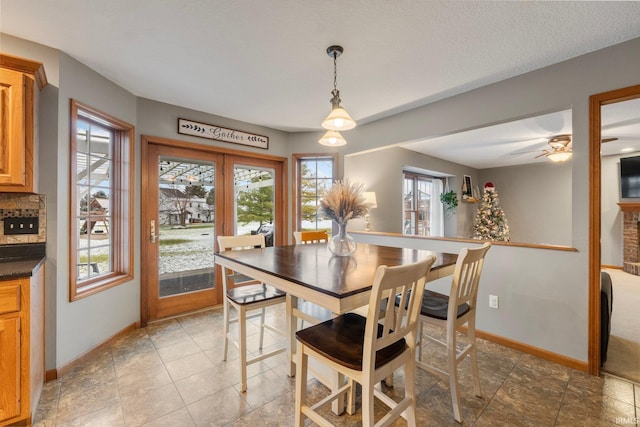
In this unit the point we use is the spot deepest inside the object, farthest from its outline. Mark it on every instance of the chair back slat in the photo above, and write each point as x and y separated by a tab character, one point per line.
230	279
405	282
227	243
304	237
466	277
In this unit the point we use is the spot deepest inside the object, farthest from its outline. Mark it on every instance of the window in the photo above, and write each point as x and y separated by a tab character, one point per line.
315	173
422	210
101	243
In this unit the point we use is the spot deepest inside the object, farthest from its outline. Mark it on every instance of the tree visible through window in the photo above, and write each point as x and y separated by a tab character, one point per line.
101	194
316	174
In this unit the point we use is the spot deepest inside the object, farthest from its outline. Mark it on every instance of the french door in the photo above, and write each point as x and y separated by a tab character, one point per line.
192	194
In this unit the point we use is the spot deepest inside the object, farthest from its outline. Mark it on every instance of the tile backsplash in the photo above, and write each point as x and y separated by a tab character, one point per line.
23	205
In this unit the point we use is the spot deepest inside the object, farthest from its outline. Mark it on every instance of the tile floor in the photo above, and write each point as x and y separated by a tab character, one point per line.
172	374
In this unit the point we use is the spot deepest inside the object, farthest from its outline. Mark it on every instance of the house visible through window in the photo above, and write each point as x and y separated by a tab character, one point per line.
102	201
315	174
422	209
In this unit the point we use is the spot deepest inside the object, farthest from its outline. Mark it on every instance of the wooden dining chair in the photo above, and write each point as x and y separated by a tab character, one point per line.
316	236
306	311
451	313
367	351
246	294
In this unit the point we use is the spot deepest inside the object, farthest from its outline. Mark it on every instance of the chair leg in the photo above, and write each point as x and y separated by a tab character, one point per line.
242	339
471	333
225	308
262	316
351	397
452	367
410	391
419	341
367	402
301	385
291	332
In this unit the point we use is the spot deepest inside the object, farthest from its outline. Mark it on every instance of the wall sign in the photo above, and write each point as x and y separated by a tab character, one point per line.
203	130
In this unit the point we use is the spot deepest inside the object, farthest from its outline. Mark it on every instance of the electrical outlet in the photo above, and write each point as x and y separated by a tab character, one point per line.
24	225
493	301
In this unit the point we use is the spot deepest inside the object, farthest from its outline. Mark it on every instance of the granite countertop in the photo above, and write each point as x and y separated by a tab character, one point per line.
20	260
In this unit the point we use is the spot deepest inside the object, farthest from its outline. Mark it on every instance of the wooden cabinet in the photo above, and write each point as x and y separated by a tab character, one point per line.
18	122
21	347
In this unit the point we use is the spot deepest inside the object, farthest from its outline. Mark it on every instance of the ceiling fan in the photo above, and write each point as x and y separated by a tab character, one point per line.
560	147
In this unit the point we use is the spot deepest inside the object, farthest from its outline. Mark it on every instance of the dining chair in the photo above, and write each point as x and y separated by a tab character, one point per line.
367	351
306	311
246	294
316	236
452	313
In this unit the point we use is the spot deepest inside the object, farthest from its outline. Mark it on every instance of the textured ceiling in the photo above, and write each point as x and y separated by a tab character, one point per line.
264	62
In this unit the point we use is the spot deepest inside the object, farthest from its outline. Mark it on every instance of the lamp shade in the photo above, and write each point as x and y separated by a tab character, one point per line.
332	139
370	199
560	156
338	119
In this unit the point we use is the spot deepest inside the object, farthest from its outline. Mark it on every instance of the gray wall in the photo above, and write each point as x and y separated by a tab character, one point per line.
543	292
84	324
381	171
536	200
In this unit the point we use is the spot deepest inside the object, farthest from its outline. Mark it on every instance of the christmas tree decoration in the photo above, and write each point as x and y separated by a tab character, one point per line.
490	222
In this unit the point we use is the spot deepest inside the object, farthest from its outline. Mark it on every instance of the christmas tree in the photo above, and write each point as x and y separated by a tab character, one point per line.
490	222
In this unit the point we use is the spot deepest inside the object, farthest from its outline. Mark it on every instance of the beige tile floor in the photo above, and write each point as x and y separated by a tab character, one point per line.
171	373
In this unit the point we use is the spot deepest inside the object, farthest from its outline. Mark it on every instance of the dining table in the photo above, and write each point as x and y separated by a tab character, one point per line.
337	283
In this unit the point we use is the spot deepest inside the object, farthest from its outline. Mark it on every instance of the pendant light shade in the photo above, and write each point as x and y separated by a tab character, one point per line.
338	119
332	139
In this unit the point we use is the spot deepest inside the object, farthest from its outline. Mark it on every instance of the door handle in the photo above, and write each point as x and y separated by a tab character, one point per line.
153	236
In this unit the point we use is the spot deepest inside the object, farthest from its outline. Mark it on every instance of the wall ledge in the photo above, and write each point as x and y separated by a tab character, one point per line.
456	239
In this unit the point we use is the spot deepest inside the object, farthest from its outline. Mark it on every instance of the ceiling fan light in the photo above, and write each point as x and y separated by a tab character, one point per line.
332	139
338	119
560	156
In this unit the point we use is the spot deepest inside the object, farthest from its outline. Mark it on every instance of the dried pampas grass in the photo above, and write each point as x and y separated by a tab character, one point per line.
344	201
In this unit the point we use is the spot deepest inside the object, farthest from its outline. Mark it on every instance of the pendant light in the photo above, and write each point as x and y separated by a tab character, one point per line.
338	119
332	139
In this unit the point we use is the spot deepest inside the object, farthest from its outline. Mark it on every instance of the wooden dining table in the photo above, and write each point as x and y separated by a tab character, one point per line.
312	273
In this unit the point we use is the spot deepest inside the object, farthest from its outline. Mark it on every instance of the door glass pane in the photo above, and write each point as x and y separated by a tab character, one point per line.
186	232
255	202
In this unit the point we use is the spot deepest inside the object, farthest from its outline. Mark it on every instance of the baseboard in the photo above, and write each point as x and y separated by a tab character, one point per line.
68	367
50	375
535	351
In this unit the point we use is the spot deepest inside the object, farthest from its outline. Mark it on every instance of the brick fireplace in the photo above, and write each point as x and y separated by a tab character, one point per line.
631	237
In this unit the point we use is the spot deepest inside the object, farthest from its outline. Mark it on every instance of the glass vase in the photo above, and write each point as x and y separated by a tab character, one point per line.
342	244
